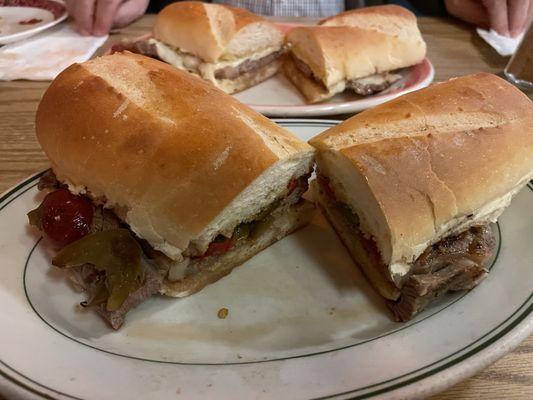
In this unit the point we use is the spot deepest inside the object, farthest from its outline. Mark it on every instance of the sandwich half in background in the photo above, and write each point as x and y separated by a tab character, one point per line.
230	47
161	183
362	50
412	185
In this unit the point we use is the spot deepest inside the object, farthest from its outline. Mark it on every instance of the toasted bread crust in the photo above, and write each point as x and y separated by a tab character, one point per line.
431	163
211	31
167	150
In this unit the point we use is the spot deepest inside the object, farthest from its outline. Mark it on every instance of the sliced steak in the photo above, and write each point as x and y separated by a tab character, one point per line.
144	47
150	286
247	66
454	263
154	264
476	244
363	86
88	279
420	290
304	68
373	83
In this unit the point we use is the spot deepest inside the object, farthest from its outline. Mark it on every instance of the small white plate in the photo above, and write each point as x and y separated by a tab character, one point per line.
18	23
278	97
302	323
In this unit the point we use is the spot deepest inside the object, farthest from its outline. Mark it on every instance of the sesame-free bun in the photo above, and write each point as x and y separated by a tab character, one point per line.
431	163
175	158
354	45
215	32
388	18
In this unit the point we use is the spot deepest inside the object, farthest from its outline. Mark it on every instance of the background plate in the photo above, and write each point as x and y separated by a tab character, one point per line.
277	97
21	22
302	323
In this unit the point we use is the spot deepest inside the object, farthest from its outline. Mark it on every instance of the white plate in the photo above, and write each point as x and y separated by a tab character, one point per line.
11	28
277	97
302	323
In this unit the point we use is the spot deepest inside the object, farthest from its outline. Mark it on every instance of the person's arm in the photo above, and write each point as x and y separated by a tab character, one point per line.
97	17
508	18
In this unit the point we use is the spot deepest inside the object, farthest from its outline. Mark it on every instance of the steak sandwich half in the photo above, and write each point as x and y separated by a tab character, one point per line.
161	183
362	50
230	47
412	185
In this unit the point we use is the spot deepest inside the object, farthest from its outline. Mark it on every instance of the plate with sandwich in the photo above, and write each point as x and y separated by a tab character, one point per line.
184	245
345	64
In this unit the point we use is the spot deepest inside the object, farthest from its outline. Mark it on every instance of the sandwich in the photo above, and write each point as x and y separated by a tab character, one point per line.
159	182
230	47
412	186
362	51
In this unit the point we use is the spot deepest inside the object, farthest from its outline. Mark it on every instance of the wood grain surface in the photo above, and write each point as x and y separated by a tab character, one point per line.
453	48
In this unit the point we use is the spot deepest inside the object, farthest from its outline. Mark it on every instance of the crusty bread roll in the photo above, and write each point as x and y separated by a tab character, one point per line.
215	32
205	38
351	46
174	157
430	165
390	18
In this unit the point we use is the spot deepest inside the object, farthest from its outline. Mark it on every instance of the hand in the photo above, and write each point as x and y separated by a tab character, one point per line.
97	17
507	17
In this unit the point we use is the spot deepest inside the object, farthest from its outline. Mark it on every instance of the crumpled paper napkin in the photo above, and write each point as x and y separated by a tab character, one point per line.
504	45
44	56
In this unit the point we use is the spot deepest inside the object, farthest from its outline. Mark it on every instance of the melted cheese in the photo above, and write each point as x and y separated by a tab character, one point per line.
196	65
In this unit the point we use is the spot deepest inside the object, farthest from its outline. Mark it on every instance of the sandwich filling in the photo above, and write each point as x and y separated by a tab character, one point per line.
119	270
454	263
222	70
363	86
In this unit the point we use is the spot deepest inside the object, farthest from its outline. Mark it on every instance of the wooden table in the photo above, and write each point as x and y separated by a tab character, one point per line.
453	48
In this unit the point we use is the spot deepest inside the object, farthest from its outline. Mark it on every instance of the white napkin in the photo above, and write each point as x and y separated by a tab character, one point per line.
504	45
44	56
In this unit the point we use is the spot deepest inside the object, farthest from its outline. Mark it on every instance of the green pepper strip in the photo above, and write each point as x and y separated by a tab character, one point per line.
116	253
